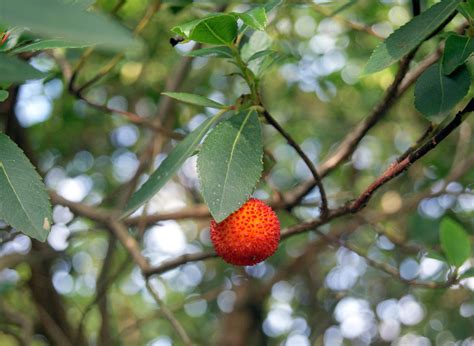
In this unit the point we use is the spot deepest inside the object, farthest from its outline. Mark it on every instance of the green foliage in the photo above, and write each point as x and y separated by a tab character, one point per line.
169	166
230	163
409	36
255	18
219	29
215	52
46	44
71	22
456	51
454	242
436	93
466	8
3	95
194	99
24	203
13	70
467	274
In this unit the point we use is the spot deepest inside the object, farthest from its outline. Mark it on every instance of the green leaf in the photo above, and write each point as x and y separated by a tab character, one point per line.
3	95
270	5
436	93
467	274
410	35
456	51
256	18
70	22
435	255
219	29
13	70
194	99
47	44
169	166
261	54
467	9
24	203
186	28
218	52
230	163
454	242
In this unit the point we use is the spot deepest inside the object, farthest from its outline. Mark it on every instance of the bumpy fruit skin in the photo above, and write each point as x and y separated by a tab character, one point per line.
247	236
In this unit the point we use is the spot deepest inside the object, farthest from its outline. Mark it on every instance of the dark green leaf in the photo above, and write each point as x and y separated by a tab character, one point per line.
467	9
410	35
169	166
230	163
71	22
256	18
13	70
467	274
456	51
3	95
218	52
47	44
454	242
218	29
436	93
24	203
194	99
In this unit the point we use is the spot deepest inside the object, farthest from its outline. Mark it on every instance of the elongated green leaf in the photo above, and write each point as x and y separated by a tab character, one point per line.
256	18
71	22
194	99
435	255
467	9
467	274
24	203
454	242
218	52
218	29
270	5
456	51
436	93
47	44
13	70
261	54
407	37
230	163
3	95
169	166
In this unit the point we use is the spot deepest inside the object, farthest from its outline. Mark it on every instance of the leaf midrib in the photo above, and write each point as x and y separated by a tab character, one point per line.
247	117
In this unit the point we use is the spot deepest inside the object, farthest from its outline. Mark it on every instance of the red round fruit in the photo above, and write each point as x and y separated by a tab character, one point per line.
247	236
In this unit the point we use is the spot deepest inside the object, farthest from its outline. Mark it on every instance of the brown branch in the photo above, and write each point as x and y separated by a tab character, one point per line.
398	167
304	157
349	23
169	316
151	10
176	262
392	271
349	143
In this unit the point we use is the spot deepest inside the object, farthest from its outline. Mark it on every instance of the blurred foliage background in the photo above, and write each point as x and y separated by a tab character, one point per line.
308	293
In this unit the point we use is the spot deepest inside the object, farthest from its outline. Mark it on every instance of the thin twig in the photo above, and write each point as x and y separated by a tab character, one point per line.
169	315
304	157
